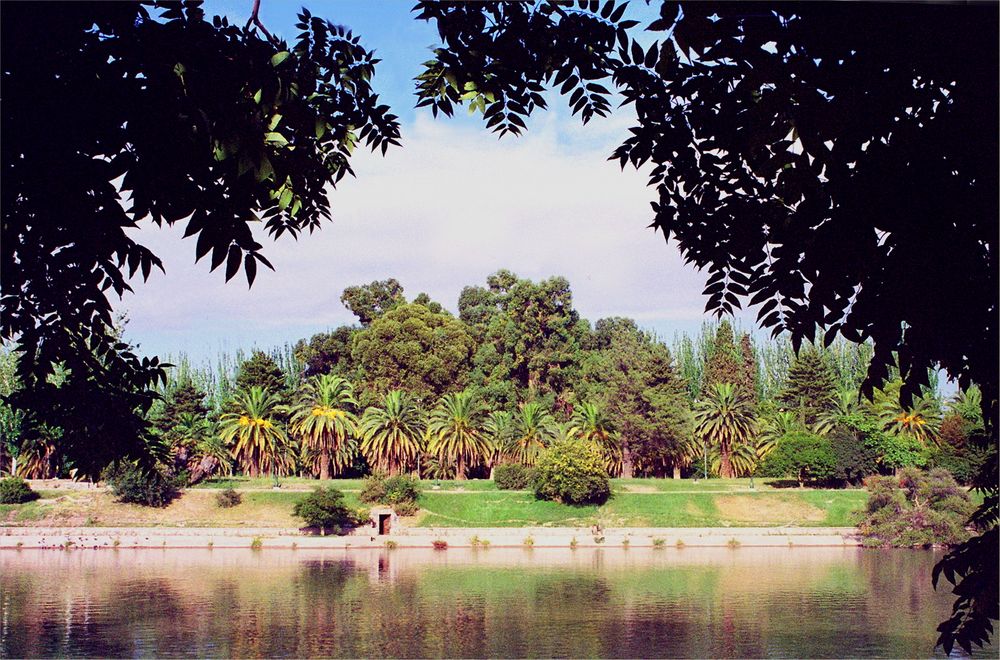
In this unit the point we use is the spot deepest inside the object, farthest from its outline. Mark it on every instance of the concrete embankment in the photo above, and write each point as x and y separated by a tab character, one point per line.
542	537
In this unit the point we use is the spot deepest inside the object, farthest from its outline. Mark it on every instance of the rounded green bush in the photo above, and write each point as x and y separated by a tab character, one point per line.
324	508
132	484
16	490
400	492
513	476
572	472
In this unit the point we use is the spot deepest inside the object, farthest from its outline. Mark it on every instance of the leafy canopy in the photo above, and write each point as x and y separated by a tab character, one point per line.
160	116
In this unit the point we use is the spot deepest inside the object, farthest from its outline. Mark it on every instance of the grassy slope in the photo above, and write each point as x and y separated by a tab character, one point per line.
820	508
637	503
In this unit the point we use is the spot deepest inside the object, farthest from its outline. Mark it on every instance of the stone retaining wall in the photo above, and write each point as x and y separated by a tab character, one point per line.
542	537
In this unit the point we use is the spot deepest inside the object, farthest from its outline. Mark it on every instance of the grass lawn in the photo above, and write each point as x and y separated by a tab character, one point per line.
346	485
819	508
472	503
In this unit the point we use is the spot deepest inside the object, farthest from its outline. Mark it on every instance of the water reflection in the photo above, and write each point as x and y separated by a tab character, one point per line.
750	602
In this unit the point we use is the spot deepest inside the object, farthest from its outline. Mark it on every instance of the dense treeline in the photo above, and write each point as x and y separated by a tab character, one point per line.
413	388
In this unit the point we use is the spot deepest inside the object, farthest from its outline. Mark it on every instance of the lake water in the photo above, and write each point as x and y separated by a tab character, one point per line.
607	602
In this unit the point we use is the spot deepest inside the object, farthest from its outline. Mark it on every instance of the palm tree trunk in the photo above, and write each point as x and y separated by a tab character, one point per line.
677	471
725	465
324	464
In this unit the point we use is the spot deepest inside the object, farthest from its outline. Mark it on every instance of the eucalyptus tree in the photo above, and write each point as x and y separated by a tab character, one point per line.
392	434
455	432
255	437
323	420
413	348
534	429
724	419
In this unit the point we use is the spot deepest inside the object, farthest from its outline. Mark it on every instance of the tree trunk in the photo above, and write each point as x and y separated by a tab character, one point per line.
677	471
725	467
460	470
627	470
324	464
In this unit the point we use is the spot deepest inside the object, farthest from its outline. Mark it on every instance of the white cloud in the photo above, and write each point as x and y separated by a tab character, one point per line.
450	207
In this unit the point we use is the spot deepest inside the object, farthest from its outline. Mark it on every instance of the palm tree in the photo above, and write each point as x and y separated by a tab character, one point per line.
455	434
778	424
324	423
198	446
256	440
920	421
590	422
845	404
391	436
499	430
534	428
725	419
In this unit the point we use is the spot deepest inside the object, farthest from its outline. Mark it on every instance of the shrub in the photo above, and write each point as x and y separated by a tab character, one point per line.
400	492
440	544
802	455
572	472
15	490
324	508
133	484
406	508
228	498
853	459
373	489
964	449
513	476
915	509
400	489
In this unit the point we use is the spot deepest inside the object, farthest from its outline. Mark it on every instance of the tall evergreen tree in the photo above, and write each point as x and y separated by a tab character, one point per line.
633	380
261	371
811	385
724	363
748	369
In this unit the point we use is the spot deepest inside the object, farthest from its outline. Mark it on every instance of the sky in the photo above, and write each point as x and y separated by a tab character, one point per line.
445	210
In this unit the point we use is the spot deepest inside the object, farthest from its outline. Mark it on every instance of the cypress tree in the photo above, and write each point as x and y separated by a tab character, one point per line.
724	364
731	362
748	364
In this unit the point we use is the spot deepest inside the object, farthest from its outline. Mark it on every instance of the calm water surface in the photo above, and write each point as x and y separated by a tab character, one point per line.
608	602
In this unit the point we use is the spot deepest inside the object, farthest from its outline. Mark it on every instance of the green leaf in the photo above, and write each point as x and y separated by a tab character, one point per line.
278	58
275	138
320	128
257	96
275	119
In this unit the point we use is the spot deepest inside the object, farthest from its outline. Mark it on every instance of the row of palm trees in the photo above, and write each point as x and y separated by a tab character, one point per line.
323	433
736	440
